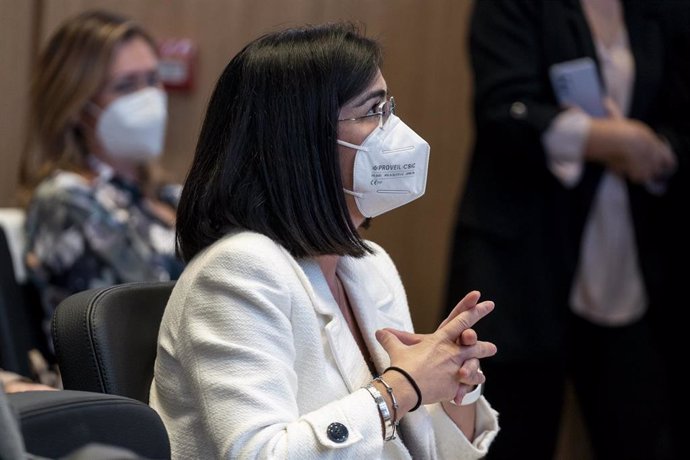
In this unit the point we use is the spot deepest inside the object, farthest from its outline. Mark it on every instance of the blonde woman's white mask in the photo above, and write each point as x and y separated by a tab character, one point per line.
132	127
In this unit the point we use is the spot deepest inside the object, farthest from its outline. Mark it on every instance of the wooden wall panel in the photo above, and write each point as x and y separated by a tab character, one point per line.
16	21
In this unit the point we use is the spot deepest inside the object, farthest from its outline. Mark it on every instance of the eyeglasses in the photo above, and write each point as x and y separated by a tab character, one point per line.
132	82
383	111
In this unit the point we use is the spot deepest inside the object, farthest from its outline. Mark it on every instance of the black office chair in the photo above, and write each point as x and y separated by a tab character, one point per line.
105	338
15	328
21	315
55	424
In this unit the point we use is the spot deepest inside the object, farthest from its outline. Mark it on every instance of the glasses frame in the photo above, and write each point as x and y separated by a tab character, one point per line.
379	112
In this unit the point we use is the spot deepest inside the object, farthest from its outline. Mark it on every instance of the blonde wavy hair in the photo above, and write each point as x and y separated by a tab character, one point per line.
71	69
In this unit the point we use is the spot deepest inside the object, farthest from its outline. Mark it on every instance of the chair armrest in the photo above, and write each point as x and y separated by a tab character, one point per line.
56	423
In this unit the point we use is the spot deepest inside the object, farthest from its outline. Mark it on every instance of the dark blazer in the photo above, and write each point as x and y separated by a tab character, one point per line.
518	232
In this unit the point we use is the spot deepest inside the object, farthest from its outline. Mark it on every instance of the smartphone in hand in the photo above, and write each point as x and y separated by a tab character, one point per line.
577	83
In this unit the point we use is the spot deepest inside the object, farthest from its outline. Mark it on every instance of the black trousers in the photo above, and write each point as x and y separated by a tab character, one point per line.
620	385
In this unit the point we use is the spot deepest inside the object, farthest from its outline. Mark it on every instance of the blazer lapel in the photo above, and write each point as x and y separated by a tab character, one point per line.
342	345
372	303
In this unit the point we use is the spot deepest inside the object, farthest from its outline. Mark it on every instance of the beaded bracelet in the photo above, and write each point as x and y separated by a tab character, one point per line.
395	420
383	412
412	382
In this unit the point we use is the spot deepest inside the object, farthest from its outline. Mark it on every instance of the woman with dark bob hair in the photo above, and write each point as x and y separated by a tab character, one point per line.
288	335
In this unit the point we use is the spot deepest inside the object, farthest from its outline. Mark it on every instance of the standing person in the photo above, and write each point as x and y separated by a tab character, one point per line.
98	214
561	220
288	335
666	321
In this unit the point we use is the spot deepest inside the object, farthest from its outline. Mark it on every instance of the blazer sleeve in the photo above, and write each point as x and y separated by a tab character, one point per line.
513	98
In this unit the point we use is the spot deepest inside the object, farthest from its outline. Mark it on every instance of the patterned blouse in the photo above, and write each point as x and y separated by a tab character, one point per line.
99	233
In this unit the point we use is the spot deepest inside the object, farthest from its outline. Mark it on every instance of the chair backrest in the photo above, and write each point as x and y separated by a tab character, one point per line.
15	327
12	222
106	338
21	314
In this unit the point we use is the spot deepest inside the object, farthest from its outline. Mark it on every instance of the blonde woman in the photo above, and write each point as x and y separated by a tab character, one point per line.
96	215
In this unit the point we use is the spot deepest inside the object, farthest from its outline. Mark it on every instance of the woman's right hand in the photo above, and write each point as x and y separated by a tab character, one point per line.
435	360
18	386
629	147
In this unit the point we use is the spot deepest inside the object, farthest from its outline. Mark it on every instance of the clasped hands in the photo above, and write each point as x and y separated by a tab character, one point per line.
445	364
630	147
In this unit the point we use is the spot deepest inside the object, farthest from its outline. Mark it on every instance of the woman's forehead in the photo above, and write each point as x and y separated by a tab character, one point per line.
132	57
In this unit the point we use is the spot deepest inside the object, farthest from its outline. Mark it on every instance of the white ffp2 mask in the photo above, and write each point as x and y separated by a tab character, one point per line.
132	127
390	168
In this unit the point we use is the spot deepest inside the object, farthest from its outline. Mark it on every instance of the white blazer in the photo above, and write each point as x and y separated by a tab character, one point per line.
255	360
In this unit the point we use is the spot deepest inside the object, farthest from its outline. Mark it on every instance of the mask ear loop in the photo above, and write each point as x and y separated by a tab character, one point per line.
92	109
351	193
355	147
93	112
352	146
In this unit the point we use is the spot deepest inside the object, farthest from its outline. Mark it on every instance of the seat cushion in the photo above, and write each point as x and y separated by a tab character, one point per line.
56	423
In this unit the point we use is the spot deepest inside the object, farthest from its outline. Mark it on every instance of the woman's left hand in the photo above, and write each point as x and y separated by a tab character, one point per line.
430	358
469	374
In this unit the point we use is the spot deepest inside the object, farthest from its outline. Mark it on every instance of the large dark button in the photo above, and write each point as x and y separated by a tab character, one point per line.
337	432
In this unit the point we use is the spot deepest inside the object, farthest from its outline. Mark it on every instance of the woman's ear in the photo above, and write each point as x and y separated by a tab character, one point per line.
87	116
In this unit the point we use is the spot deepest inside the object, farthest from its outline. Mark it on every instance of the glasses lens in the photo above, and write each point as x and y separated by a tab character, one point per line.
387	108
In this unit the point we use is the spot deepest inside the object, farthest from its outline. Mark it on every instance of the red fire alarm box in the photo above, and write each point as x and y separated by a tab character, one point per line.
177	63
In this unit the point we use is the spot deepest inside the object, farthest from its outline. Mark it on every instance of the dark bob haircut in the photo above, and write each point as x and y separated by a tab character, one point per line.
267	157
